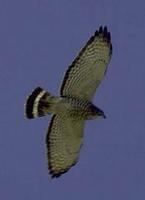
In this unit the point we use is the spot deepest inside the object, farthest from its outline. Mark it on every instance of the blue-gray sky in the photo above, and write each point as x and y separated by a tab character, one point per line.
38	41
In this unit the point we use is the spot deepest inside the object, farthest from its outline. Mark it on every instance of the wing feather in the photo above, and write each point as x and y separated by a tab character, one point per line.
64	139
88	69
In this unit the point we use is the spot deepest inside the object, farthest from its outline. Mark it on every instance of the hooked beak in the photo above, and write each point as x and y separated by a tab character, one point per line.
104	116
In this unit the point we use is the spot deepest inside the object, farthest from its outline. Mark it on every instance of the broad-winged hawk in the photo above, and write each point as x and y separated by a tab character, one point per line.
73	107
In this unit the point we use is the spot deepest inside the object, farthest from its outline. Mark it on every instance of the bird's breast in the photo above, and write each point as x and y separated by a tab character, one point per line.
75	108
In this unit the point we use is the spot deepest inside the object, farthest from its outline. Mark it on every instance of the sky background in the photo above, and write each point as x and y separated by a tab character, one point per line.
38	41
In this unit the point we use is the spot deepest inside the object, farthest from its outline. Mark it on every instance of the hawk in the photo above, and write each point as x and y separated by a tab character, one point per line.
73	107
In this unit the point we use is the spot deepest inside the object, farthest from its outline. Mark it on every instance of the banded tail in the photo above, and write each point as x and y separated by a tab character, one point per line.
38	103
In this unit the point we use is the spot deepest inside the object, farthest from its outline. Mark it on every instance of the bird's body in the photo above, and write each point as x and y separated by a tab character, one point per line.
73	107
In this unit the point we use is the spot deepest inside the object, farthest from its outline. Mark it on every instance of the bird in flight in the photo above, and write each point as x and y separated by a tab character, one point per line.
74	106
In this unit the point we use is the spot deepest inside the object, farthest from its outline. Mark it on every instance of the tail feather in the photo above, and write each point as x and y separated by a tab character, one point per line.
37	104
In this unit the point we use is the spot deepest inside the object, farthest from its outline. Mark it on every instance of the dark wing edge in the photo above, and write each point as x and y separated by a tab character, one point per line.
101	32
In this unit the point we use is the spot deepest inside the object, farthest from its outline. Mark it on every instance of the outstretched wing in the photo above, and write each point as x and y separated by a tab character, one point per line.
88	69
64	139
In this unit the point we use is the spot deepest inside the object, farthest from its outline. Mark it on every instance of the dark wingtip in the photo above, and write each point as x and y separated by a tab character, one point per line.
100	29
54	174
103	32
108	37
97	33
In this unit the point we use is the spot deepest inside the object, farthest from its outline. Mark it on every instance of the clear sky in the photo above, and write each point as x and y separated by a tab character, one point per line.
38	41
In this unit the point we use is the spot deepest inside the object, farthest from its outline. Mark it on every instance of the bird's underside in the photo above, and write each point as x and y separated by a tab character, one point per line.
73	107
